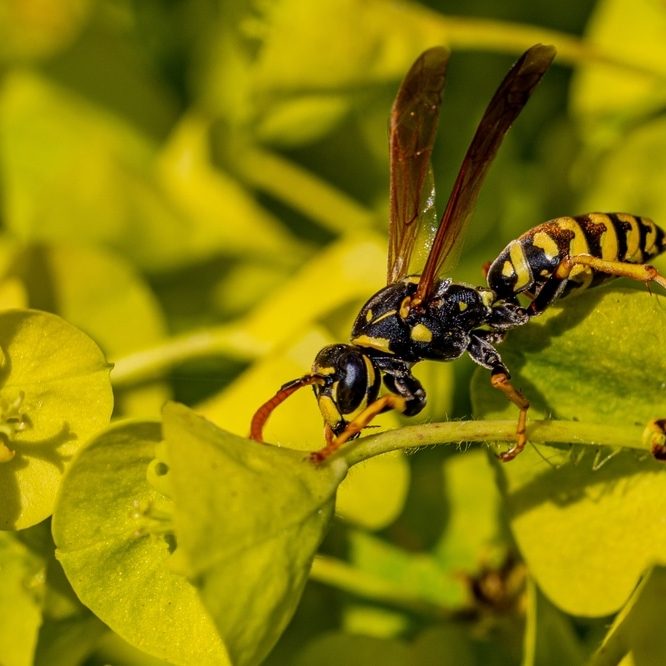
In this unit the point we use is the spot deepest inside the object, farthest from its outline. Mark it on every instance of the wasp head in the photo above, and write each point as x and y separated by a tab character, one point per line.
345	382
349	383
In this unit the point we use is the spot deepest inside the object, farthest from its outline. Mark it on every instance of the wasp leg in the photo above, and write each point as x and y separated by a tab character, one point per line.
406	396
552	288
354	427
487	356
642	272
500	381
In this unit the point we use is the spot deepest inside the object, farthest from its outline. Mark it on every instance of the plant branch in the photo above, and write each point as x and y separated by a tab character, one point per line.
148	364
360	583
457	432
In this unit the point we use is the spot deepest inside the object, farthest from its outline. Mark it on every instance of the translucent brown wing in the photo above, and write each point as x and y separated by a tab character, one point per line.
504	107
413	125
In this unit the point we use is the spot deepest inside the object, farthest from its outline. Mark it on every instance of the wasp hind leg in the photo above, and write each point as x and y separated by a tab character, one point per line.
551	289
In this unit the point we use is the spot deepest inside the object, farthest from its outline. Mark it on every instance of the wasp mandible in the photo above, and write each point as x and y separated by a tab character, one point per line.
425	316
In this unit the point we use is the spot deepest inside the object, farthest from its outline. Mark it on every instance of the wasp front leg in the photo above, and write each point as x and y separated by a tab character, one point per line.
406	395
483	353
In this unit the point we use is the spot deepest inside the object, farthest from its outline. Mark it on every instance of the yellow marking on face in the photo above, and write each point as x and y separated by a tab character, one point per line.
577	245
368	315
547	244
382	344
507	269
420	333
520	266
332	414
462	306
633	236
329	410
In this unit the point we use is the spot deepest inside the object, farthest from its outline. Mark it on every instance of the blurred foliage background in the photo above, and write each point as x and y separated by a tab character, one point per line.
201	186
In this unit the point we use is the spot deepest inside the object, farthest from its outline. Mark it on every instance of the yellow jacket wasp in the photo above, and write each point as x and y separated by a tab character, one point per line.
425	316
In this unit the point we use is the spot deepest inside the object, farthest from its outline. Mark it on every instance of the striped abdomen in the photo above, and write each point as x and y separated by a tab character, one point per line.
531	260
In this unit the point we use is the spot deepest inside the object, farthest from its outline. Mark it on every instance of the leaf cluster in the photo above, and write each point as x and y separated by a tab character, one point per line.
193	198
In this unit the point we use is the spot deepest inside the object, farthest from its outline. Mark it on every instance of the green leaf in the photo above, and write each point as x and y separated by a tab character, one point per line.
599	360
549	636
636	632
472	535
297	423
21	594
634	31
99	292
116	548
249	519
636	189
68	641
55	394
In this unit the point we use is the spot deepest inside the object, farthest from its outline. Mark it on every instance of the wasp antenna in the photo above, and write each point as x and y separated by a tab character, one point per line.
261	415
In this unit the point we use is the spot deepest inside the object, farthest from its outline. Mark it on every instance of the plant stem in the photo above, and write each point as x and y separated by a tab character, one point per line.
302	190
149	363
457	432
504	36
343	576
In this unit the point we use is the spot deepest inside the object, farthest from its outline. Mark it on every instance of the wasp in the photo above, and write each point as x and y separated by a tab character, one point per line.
422	315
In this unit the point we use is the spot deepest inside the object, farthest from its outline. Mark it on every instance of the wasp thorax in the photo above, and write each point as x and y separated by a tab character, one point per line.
349	383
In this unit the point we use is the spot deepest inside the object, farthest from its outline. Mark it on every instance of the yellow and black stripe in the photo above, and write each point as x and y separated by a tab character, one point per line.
532	260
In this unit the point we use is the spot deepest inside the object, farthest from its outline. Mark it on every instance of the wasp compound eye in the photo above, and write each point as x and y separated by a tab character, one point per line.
350	383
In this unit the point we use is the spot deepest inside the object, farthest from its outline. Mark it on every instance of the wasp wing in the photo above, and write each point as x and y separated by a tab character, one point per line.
413	125
503	109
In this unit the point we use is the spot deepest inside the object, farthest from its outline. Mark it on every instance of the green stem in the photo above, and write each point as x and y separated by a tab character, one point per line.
302	190
457	432
473	33
149	364
342	576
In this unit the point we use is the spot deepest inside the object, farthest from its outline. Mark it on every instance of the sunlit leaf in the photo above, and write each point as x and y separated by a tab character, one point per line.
294	76
472	535
636	635
249	518
638	189
100	293
217	211
116	548
21	594
55	394
598	359
631	32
